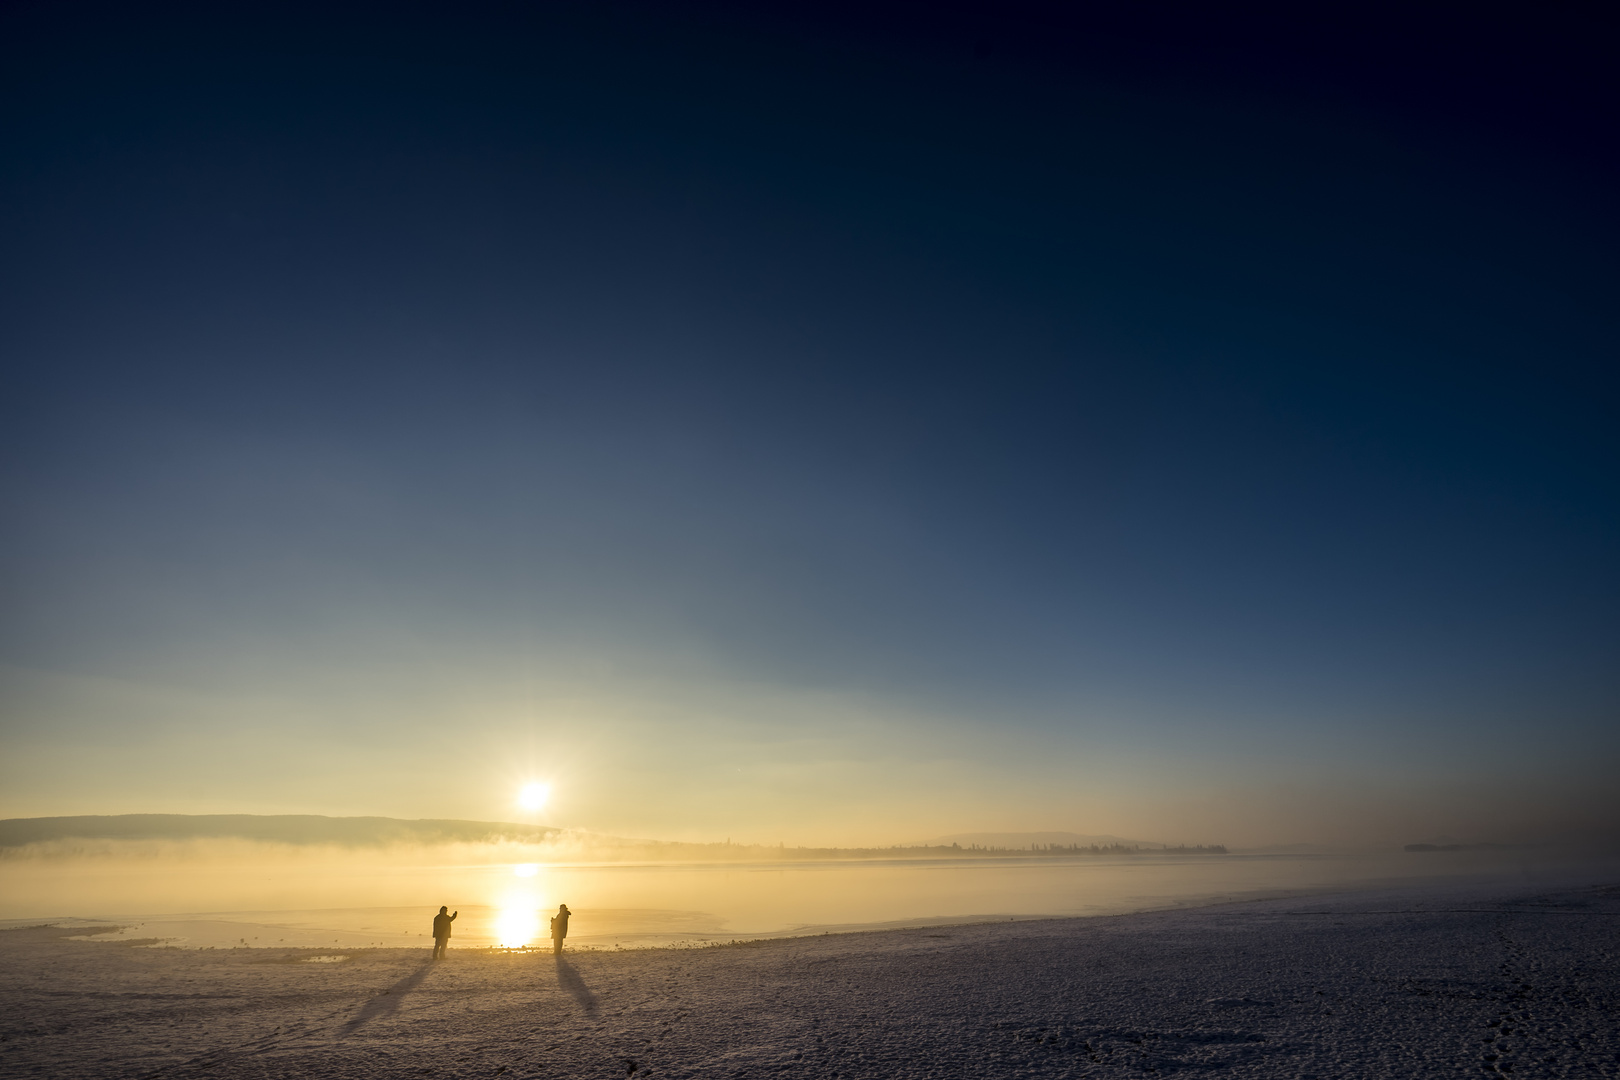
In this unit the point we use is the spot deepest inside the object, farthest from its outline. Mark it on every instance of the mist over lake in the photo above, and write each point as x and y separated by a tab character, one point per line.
216	882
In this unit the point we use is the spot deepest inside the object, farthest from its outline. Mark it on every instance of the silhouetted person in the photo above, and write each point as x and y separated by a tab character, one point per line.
441	932
559	927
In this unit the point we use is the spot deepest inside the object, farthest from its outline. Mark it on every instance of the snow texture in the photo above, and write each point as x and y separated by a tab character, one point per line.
1409	983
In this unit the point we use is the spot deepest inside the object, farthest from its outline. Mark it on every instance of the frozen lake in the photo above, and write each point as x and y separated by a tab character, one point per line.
371	900
1435	978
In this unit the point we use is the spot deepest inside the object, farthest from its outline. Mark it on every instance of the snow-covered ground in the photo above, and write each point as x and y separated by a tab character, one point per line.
1411	982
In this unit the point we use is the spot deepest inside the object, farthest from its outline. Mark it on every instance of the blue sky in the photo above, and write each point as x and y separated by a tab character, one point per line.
858	426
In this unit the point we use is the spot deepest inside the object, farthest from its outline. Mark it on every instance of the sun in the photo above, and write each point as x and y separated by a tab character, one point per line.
533	796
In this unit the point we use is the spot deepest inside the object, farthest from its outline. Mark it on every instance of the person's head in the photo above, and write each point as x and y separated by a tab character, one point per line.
562	907
443	908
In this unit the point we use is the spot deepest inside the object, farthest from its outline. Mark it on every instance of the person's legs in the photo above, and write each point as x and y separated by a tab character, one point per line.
438	947
556	945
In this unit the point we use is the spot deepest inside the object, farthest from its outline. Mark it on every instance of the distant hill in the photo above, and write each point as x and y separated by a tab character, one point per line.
280	828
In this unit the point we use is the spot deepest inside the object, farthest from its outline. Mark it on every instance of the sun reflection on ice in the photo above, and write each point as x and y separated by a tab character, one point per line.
516	927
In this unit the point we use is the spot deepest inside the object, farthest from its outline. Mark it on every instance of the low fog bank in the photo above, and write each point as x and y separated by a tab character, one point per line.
514	873
278	828
74	874
234	837
441	840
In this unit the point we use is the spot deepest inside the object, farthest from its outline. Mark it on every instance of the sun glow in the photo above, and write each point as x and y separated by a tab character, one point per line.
527	869
534	796
516	927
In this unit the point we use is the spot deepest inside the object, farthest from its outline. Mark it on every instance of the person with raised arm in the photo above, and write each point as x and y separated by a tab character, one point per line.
441	932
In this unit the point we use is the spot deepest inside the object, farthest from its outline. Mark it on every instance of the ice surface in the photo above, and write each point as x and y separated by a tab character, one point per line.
383	900
1434	981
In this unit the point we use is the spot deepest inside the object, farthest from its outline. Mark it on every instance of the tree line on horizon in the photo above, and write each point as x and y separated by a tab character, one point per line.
956	849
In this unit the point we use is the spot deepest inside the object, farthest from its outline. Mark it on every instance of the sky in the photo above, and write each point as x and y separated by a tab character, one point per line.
822	424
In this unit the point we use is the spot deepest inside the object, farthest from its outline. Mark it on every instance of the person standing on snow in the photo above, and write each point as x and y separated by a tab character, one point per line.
559	928
441	932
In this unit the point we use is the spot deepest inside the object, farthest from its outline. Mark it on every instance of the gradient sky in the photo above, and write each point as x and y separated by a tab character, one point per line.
856	423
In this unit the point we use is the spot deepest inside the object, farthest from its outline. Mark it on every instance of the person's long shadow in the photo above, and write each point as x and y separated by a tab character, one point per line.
386	1002
569	980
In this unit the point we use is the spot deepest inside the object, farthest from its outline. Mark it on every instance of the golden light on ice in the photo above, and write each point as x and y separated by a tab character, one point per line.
527	869
533	796
516	926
